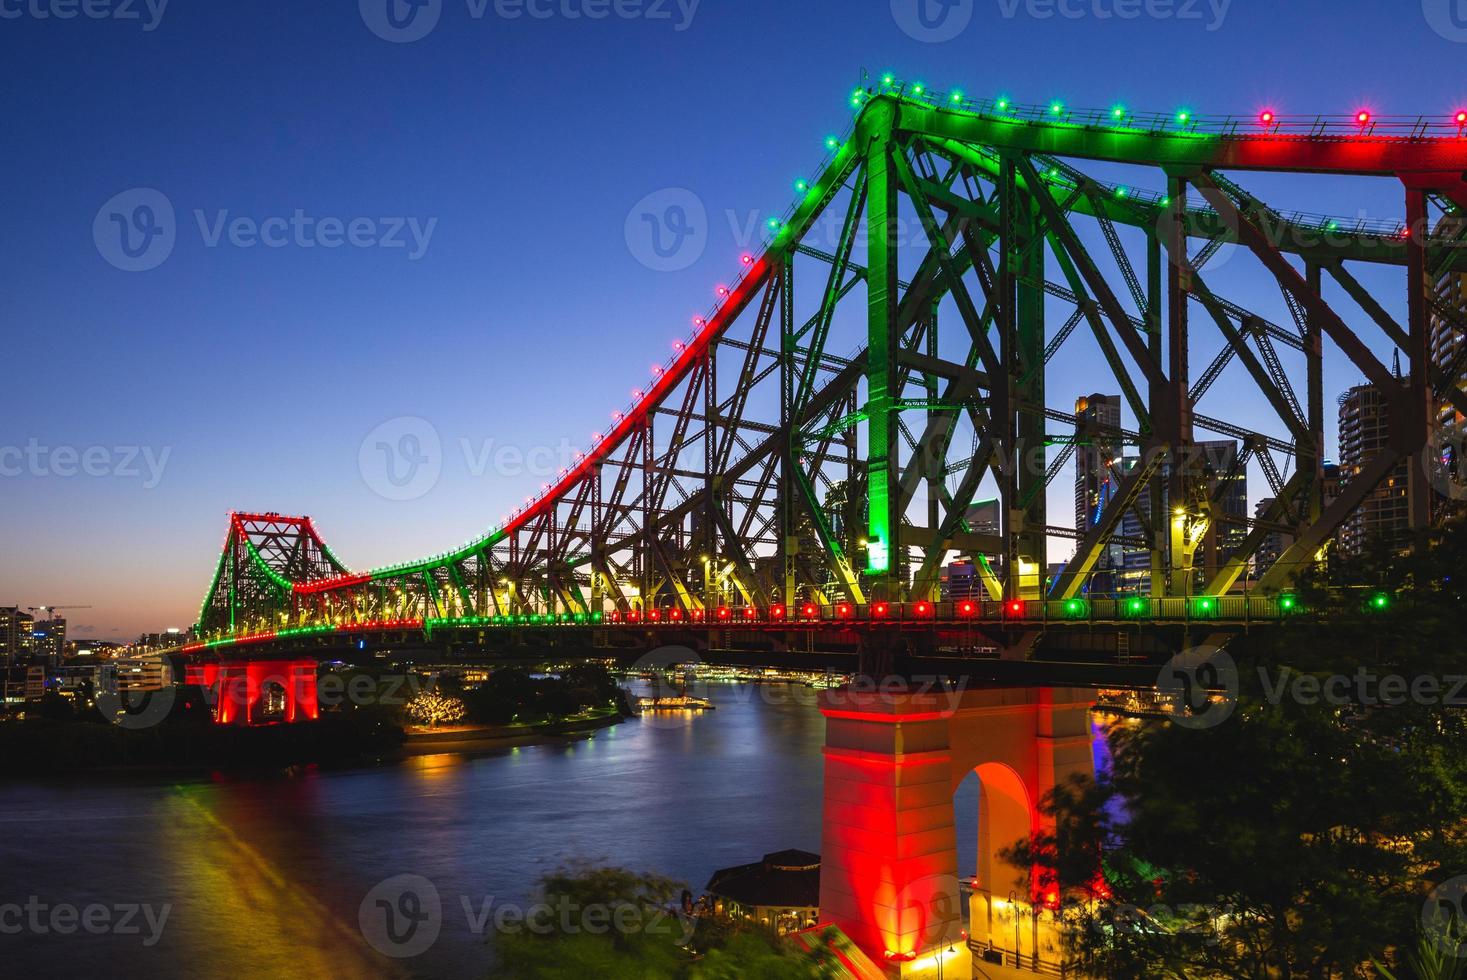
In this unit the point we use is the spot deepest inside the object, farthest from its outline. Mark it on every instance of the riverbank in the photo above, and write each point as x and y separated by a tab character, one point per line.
479	738
191	750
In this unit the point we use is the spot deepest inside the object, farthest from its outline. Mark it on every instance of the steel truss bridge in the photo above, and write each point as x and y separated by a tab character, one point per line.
808	460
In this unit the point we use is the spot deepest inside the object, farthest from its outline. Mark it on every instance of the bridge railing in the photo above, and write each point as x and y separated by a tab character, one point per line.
1137	611
1266	123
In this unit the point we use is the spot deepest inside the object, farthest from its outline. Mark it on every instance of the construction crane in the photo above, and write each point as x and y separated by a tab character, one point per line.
51	609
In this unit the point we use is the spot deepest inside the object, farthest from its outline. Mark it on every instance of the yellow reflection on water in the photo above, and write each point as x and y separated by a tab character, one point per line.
435	766
258	916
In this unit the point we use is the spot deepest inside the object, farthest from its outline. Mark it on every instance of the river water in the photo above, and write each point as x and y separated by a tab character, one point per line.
264	877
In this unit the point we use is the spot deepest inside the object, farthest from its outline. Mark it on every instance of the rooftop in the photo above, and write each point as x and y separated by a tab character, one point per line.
789	878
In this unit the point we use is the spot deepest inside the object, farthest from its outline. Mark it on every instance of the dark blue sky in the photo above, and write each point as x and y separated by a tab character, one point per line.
527	141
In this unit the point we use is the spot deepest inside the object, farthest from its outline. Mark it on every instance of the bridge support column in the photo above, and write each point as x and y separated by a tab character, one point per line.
893	762
888	873
245	690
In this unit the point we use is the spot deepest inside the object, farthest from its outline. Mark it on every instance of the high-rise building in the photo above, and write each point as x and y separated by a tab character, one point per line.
1227	483
983	517
1273	543
1449	351
1365	431
1098	466
1134	566
160	641
959	580
48	639
1097	419
135	674
16	626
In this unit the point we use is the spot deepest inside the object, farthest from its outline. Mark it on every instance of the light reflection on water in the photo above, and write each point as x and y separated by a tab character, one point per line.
265	876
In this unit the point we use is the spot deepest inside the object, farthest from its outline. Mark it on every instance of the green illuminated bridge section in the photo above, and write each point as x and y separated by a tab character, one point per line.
850	497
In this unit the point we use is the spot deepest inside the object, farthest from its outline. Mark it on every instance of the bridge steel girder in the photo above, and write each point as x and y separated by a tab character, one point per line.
775	457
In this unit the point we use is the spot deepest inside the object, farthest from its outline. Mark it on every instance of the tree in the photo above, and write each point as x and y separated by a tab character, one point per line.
1300	836
54	707
432	708
589	921
508	691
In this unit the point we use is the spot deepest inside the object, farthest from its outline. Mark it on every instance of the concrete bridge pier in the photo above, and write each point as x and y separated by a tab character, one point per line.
244	690
893	761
